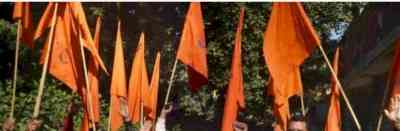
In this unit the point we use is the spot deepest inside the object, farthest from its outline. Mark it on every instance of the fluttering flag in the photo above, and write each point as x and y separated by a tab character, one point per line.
94	83
333	120
138	81
289	39
118	83
22	12
151	95
234	99
192	49
71	30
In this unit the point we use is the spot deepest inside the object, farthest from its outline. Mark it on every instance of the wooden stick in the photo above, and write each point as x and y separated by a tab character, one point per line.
109	115
303	110
340	87
171	81
14	84
385	93
88	93
45	65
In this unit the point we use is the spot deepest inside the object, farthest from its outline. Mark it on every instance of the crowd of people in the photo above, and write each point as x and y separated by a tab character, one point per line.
297	123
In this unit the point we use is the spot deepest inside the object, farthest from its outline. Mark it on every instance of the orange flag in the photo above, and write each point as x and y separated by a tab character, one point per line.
192	49
235	97
22	12
333	121
150	104
138	81
94	83
118	83
65	61
288	41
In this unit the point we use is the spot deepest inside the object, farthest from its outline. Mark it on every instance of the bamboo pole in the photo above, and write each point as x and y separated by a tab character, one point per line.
385	93
88	93
171	81
303	110
340	88
109	115
45	65
14	84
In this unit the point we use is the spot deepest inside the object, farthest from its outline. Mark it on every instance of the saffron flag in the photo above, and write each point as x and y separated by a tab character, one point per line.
288	41
118	83
22	12
150	104
234	99
71	29
333	121
138	81
192	49
94	83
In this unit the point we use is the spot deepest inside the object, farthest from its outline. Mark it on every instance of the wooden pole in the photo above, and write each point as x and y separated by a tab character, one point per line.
14	84
385	93
85	72
109	115
303	110
340	88
45	65
171	81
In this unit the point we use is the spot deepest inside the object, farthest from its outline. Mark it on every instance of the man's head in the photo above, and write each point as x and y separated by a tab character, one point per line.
297	123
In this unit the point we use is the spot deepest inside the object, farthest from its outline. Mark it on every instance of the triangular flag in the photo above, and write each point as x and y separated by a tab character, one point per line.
150	104
118	83
138	81
288	41
192	49
235	95
333	120
93	75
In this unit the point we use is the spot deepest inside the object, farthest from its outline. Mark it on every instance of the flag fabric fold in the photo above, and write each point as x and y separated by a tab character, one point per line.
118	83
22	12
235	95
138	81
333	120
288	41
192	49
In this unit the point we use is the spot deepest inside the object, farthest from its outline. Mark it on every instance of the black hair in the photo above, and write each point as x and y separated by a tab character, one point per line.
298	117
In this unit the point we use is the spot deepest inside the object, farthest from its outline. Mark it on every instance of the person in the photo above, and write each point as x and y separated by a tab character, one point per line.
33	124
123	110
148	124
239	126
160	125
68	124
393	112
9	124
297	123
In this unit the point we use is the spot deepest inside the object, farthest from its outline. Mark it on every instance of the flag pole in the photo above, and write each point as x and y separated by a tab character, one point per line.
45	65
385	93
85	72
109	115
171	80
14	84
340	88
303	110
